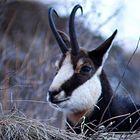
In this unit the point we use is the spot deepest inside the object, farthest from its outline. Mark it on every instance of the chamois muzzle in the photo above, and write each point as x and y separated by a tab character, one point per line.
56	97
51	96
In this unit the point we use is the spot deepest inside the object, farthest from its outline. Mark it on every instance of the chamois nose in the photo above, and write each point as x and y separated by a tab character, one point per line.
51	95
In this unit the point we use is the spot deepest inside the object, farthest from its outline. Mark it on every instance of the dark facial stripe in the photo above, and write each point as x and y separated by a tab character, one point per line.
78	79
74	82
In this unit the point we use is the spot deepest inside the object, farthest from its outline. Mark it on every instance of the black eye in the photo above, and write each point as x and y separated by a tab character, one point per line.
86	69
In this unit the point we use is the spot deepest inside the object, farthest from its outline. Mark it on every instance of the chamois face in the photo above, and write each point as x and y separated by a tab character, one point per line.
76	86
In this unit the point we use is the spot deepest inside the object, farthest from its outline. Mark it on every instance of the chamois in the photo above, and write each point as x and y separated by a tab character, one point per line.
81	89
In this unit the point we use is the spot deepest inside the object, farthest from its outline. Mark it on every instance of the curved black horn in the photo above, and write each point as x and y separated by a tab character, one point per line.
74	42
57	36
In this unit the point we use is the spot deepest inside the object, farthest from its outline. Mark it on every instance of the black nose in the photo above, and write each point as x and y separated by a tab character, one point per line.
52	95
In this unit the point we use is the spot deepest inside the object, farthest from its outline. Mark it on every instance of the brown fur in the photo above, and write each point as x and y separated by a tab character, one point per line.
76	117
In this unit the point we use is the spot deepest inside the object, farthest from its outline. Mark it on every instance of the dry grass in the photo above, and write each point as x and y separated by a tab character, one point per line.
16	126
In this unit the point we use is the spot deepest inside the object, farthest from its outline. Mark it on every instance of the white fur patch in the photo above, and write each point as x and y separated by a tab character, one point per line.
60	96
80	62
65	72
85	96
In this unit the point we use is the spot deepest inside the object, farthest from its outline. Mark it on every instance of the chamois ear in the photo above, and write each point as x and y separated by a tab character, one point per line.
65	38
100	54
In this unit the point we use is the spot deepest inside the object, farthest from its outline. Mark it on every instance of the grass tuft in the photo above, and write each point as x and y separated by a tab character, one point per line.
16	126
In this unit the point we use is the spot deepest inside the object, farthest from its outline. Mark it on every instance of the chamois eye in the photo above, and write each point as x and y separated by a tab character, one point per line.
85	69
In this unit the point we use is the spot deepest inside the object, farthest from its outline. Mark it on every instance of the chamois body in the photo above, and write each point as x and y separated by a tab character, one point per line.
81	88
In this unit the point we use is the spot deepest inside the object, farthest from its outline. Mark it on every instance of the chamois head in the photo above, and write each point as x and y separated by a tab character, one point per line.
76	86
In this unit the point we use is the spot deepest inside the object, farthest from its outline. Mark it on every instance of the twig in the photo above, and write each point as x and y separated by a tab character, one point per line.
33	101
109	18
137	46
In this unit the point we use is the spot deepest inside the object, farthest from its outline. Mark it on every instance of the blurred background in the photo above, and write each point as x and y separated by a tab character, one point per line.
28	49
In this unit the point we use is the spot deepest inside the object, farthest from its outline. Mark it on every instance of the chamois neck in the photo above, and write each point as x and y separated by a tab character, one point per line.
107	91
94	113
104	100
97	114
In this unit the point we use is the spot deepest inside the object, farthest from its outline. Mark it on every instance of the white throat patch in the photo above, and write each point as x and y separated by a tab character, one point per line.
65	72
